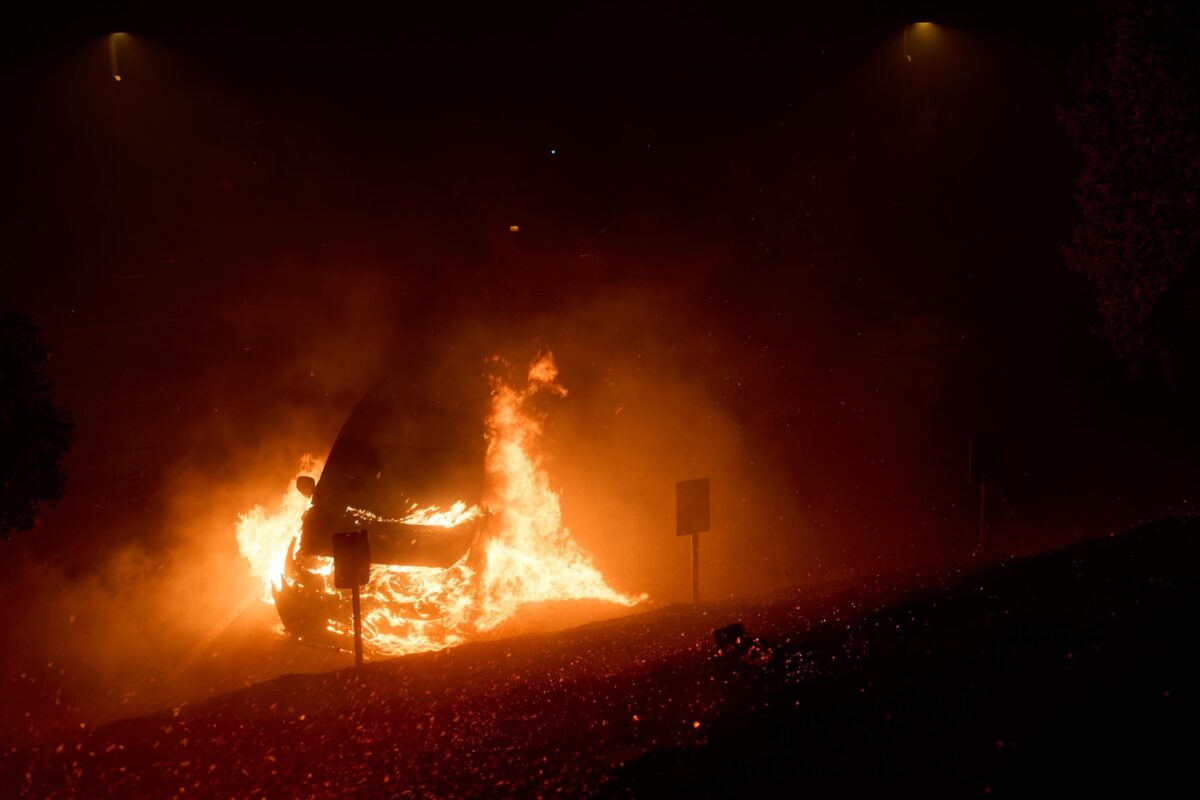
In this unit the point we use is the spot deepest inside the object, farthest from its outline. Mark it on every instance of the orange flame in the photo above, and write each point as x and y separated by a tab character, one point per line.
264	536
532	557
456	514
526	556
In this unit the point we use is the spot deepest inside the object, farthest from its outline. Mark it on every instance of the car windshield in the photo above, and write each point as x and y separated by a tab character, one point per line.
416	439
388	479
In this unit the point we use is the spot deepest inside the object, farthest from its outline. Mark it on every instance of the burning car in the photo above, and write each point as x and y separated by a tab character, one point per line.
464	526
408	465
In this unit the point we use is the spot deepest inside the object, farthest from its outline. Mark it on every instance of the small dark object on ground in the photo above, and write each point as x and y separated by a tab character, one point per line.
733	641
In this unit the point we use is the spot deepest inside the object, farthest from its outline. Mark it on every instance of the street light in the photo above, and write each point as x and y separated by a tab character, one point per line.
918	26
112	55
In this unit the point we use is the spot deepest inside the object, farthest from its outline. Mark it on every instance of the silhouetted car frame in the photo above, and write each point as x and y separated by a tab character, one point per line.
413	442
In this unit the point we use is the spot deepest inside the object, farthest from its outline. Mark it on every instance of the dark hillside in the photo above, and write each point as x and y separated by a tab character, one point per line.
1069	672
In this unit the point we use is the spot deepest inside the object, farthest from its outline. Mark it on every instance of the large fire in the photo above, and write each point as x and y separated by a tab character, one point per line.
524	555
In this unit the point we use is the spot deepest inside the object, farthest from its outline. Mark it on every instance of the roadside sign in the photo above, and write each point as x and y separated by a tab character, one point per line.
351	559
352	569
691	507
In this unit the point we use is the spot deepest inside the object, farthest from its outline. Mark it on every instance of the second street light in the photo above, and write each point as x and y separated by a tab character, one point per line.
917	30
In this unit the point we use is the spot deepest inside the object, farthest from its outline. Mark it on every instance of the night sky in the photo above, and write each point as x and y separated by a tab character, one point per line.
824	265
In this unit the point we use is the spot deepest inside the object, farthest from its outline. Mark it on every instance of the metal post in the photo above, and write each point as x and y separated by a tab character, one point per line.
695	568
358	659
691	518
982	516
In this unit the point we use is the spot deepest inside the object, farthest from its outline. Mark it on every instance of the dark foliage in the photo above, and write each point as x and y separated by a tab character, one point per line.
35	432
1135	121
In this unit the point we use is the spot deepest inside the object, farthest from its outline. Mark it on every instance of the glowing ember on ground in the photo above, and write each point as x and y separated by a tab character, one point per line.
524	554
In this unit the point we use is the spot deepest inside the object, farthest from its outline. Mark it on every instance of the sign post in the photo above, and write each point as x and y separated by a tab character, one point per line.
352	569
981	472
692	519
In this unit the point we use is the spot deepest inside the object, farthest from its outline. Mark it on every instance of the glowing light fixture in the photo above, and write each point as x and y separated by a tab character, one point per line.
112	54
921	26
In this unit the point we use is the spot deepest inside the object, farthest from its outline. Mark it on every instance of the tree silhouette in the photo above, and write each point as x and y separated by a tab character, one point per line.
1136	121
35	433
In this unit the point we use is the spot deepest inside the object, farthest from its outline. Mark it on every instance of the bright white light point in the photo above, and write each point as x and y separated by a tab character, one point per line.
553	151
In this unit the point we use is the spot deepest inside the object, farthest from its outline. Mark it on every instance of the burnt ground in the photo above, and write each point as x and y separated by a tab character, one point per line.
1070	673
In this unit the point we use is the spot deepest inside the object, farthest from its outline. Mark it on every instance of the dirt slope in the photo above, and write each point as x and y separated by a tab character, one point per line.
1069	671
